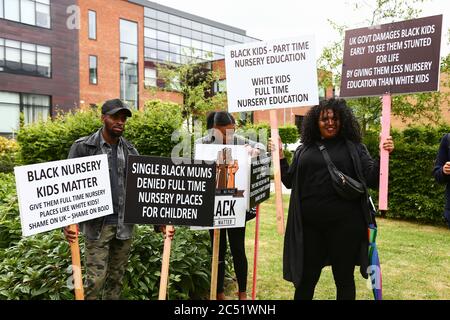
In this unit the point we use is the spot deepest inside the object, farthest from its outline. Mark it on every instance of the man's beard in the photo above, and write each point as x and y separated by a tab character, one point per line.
113	133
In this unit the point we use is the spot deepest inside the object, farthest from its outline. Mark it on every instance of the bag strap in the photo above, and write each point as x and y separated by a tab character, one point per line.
326	156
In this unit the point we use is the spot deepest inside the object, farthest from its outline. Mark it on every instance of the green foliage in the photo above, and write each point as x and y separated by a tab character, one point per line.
10	231
259	132
288	134
38	267
151	130
45	141
413	192
195	81
189	271
9	154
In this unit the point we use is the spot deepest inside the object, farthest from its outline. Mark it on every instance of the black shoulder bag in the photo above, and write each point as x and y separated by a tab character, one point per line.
345	186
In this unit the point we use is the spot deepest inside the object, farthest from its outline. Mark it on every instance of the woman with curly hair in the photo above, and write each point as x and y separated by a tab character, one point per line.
323	227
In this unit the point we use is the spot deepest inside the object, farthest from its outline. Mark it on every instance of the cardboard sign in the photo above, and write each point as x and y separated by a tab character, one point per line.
259	180
158	191
271	75
60	193
395	58
232	179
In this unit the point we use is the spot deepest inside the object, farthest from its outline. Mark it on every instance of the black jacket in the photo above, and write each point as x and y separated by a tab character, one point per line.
90	146
367	171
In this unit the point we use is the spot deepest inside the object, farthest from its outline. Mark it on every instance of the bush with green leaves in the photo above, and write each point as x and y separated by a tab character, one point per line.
9	154
39	267
10	231
413	192
149	130
262	132
288	134
45	141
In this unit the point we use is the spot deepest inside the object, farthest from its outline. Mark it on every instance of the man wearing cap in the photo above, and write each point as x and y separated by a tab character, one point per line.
107	239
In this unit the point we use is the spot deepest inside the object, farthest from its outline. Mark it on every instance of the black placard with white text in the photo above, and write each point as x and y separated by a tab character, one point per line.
259	180
162	192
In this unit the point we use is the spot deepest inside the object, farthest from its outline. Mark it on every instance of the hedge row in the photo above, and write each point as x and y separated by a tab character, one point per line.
413	192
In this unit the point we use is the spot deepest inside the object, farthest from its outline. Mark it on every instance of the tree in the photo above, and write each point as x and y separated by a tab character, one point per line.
368	109
195	80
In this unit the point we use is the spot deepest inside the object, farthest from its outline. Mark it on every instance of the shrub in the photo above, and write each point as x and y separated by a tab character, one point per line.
51	140
413	192
9	154
10	230
39	267
150	131
289	134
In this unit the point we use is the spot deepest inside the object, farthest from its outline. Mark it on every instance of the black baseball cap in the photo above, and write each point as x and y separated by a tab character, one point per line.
113	106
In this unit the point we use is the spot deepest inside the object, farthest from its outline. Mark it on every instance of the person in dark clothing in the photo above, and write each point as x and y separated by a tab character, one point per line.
441	172
108	239
323	228
221	126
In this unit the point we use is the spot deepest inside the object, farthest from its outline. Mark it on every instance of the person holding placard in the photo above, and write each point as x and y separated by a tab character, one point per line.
327	224
221	127
107	239
441	172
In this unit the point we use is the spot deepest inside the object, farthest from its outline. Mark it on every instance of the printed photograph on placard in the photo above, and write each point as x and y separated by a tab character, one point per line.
232	180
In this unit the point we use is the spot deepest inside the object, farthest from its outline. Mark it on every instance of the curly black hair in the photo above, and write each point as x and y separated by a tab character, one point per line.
349	129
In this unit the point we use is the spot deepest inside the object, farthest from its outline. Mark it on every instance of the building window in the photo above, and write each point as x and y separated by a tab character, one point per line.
33	12
35	107
25	58
220	86
129	79
207	41
322	93
92	25
93	70
150	77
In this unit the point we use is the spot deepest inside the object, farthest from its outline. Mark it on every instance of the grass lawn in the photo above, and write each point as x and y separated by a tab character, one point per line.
415	261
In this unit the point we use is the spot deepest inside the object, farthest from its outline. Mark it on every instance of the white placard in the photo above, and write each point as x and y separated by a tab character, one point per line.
229	210
271	75
60	193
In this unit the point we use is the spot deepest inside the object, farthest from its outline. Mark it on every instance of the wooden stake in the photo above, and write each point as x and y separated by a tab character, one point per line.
215	265
384	155
255	256
76	265
277	171
165	265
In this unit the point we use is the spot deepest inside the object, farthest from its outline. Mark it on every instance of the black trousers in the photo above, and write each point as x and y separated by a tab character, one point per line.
338	243
236	238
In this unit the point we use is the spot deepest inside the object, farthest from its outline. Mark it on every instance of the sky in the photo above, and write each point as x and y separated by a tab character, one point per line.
278	19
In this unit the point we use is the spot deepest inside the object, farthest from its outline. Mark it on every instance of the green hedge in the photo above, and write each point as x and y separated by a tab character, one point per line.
413	193
9	154
150	131
288	133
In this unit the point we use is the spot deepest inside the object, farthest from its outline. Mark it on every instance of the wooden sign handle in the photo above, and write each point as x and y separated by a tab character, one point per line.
384	155
76	265
255	256
277	171
215	265
165	265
